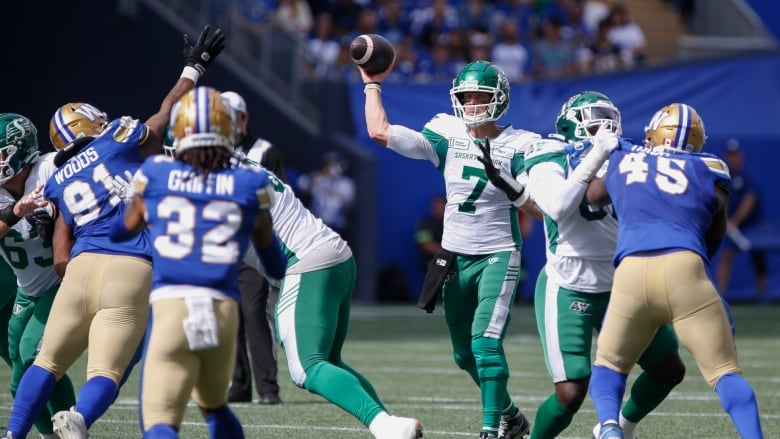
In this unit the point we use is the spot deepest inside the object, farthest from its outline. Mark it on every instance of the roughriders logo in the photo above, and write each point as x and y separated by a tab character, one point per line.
579	307
16	131
17	309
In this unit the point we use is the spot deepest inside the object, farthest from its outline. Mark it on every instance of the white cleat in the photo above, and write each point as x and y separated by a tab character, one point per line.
597	429
401	428
70	425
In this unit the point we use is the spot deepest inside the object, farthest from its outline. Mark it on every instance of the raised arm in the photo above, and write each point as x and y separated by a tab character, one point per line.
376	119
197	58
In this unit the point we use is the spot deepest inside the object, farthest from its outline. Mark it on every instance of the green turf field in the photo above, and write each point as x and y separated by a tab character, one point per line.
406	354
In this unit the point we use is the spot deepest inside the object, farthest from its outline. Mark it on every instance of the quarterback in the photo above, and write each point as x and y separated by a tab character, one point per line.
481	241
671	200
572	290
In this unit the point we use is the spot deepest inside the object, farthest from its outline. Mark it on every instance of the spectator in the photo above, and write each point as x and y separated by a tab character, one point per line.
522	13
345	14
431	22
393	21
601	56
249	17
509	53
436	66
322	50
574	28
627	34
476	15
744	212
256	338
429	231
553	57
294	16
593	12
331	193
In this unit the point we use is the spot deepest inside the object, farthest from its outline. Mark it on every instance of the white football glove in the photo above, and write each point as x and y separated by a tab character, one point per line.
123	187
604	142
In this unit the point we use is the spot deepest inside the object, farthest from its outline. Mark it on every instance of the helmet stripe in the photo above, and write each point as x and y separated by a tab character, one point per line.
202	109
62	127
683	127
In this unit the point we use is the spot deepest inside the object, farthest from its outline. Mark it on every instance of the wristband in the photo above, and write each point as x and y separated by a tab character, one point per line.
8	216
372	86
190	73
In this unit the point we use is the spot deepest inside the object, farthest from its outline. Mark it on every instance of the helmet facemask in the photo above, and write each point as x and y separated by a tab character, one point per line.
584	114
480	77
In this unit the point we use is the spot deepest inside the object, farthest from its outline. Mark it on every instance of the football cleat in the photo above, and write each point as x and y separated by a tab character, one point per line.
401	428
610	430
676	126
201	118
480	77
70	424
484	435
74	120
513	427
18	145
597	428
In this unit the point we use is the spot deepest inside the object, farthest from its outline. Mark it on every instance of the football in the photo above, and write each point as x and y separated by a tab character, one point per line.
373	52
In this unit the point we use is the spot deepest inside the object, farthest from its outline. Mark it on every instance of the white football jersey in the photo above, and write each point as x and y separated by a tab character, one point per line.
29	256
580	244
479	218
307	242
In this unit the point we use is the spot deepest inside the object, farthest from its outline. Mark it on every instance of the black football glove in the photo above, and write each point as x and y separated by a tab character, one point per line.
200	55
42	222
511	187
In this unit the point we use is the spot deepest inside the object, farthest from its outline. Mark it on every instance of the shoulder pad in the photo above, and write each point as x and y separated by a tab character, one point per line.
443	122
519	137
716	165
124	129
541	147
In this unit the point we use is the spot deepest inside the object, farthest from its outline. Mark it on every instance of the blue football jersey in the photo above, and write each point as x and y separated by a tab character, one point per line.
664	199
200	226
82	189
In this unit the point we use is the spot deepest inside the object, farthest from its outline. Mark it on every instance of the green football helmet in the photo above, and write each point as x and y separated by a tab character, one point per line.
18	144
584	113
481	77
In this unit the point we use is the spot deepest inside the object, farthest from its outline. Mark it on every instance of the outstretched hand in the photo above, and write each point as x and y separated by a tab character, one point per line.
200	55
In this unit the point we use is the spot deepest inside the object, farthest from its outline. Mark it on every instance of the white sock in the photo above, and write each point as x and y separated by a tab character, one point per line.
379	423
628	427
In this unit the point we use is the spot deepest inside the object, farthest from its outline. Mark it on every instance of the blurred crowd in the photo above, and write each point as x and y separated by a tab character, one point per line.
528	39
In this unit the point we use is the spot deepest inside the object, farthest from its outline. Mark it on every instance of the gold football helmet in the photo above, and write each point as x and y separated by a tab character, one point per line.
201	118
676	126
74	120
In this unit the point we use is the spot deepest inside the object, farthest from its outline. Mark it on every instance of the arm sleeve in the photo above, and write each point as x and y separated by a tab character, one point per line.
556	195
412	144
